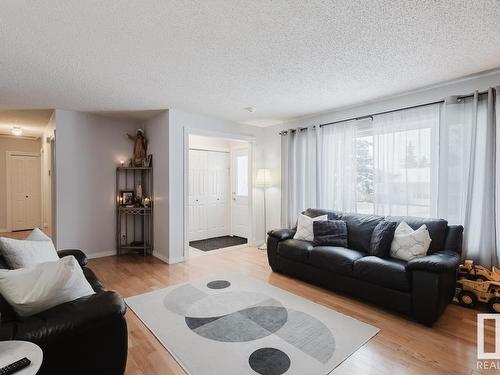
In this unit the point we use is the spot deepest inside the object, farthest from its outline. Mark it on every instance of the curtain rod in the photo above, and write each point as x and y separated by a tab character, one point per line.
283	132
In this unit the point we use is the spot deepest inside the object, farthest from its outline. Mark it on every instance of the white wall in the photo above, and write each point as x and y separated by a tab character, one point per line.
89	147
209	143
157	133
270	140
46	172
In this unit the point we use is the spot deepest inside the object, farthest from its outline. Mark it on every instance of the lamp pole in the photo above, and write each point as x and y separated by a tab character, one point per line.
264	245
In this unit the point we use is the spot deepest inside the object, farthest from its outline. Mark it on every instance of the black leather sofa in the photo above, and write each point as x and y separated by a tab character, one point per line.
85	336
420	288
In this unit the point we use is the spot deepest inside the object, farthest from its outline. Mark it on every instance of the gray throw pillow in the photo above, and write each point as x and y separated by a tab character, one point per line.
330	233
380	244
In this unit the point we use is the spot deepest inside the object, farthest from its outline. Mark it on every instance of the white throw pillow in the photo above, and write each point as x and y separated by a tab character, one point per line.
24	253
32	290
305	227
408	243
37	235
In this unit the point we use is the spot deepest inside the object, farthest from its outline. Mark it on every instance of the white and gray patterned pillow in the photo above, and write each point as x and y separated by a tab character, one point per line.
408	243
37	248
305	231
37	235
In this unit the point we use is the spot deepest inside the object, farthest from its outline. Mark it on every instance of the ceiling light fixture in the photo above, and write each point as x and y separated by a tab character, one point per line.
17	131
250	109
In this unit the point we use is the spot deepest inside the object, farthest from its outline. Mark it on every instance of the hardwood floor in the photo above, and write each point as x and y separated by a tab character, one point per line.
401	347
19	235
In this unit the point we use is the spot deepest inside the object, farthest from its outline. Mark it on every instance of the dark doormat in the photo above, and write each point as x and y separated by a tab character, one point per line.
218	243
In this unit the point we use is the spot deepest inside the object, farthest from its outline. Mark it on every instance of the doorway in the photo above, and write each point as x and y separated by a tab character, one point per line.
218	194
26	162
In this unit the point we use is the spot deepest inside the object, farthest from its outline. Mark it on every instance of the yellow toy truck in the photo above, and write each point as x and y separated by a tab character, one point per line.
470	292
478	284
472	271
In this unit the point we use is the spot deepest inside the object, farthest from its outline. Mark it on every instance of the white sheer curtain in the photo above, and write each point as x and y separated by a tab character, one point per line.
337	163
405	148
299	173
468	185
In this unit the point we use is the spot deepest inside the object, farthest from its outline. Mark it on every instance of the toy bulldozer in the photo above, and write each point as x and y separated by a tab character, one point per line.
478	284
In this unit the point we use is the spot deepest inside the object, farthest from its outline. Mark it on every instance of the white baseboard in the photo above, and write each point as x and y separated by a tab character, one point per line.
176	260
160	256
100	254
166	259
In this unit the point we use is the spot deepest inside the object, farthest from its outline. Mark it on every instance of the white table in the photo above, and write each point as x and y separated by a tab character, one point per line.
11	351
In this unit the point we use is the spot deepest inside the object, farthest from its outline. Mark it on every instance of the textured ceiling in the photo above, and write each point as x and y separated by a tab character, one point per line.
31	122
286	58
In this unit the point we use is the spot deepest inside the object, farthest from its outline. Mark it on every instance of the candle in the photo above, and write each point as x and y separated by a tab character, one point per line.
122	162
147	202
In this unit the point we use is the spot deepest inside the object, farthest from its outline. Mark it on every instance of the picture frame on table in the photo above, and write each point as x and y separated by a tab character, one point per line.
127	197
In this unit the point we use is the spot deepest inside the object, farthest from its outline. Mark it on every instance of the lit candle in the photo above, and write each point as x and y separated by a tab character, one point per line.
147	202
122	162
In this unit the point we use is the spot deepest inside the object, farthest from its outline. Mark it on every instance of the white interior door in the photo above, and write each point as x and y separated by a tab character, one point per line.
240	191
208	198
217	194
197	195
25	192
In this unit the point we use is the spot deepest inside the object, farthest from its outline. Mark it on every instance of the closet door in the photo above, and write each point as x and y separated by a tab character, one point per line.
198	184
218	197
224	196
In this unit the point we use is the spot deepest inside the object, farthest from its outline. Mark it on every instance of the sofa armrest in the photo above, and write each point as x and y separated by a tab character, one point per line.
440	261
70	318
282	234
78	254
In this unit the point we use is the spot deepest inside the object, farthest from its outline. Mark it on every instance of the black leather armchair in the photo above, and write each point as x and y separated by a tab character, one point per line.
420	288
85	336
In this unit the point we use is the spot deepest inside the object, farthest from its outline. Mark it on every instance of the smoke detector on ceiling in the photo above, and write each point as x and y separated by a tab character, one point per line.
250	109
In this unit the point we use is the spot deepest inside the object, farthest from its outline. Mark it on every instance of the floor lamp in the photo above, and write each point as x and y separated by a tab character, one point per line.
263	180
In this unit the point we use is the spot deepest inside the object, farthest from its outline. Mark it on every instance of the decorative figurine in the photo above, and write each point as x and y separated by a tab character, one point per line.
478	284
140	148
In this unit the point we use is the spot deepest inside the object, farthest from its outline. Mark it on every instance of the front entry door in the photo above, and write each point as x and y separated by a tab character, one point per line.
240	191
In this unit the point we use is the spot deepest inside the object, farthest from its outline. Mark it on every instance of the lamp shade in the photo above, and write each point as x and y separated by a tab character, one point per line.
263	177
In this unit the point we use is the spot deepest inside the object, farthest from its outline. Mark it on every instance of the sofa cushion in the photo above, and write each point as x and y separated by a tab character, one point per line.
437	229
389	273
295	250
305	231
360	229
382	236
336	259
314	212
330	233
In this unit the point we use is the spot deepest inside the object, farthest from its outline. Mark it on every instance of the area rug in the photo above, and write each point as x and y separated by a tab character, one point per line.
218	243
232	324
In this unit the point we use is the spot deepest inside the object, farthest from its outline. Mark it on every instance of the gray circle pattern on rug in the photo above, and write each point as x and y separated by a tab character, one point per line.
244	325
269	361
218	284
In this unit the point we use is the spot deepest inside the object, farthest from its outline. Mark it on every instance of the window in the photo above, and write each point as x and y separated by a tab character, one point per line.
364	174
242	175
